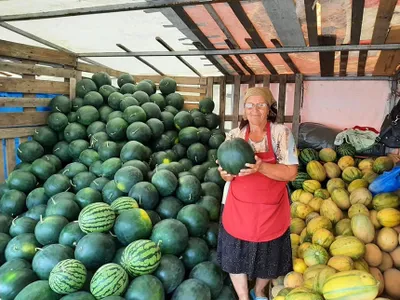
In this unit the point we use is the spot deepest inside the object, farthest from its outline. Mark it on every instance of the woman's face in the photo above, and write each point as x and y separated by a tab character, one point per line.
256	110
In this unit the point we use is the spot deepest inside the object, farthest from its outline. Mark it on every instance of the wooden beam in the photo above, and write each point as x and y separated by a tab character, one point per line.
381	27
236	101
94	69
327	59
344	57
72	88
311	19
222	102
282	14
29	69
2	162
21	51
183	15
179	79
286	57
239	58
297	106
260	79
9	133
210	87
262	57
33	86
252	31
23	119
281	99
389	60
357	13
252	82
23	102
287	119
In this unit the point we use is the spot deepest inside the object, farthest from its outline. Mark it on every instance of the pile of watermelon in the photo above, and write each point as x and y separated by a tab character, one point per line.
117	198
345	239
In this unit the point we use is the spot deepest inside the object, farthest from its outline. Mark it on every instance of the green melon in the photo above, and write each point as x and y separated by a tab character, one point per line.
71	234
12	203
125	78
110	192
22	225
74	131
48	230
132	225
210	274
165	182
171	272
38	290
29	151
84	86
172	236
206	105
195	218
23	246
116	129
101	78
127	177
196	252
123	204
61	104
109	280
145	287
22	181
96	217
167	86
189	189
146	194
57	121
92	98
192	289
233	155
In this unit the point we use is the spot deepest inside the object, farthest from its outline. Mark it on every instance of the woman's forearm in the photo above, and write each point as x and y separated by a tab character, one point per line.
278	171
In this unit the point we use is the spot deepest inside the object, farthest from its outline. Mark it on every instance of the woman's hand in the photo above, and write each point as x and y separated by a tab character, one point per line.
224	174
251	168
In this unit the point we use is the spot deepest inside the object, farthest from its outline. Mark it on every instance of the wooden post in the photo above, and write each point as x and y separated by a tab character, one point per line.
266	80
281	99
222	102
252	82
210	86
28	76
236	101
297	105
11	153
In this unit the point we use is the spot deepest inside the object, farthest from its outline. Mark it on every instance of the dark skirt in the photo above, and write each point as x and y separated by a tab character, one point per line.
267	260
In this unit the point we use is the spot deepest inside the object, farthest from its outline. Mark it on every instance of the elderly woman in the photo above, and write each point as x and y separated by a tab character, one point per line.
254	238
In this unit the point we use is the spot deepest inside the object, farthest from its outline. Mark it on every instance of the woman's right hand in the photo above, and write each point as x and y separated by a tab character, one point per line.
224	174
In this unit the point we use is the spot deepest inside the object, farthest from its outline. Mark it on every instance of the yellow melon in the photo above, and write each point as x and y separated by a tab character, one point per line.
293	280
341	198
276	289
341	263
343	227
388	217
311	185
387	239
379	277
330	210
300	210
321	277
349	246
358	183
346	161
297	225
363	228
294	239
313	271
323	237
369	176
311	216
315	203
322	193
366	164
358	208
332	170
299	265
361	264
335	183
373	217
317	223
373	255
361	195
295	196
315	255
387	262
305	197
302	248
392	286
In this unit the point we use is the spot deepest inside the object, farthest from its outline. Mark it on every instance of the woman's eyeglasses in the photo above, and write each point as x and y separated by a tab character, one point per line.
257	105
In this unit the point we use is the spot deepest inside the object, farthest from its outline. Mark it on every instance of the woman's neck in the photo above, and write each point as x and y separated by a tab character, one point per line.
259	128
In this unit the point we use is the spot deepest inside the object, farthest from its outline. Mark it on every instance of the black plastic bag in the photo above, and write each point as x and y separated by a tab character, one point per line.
316	136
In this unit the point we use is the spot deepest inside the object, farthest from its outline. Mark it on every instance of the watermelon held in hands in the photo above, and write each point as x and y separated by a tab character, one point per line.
234	154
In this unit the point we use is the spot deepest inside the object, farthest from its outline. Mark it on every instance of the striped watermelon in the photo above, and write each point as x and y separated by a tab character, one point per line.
300	178
109	280
141	257
346	150
123	203
68	276
96	217
308	154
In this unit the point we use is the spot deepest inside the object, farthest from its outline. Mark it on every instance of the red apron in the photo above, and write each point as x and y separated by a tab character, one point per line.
257	207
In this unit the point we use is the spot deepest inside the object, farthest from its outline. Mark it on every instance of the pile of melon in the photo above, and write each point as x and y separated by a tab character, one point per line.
345	240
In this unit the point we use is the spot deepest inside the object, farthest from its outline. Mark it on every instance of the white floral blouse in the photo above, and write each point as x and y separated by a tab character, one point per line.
282	142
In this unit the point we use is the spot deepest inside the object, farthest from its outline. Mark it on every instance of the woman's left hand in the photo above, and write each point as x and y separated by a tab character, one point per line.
251	168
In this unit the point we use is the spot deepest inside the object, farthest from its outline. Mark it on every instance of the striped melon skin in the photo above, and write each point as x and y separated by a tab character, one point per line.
96	217
350	285
109	280
141	257
123	203
68	276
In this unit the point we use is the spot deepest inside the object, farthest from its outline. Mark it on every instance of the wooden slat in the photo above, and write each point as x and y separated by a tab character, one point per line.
290	78
288	119
2	162
23	119
297	105
178	79
192	98
266	80
93	69
344	57
21	51
25	139
281	100
72	88
236	101
357	13
362	61
286	57
10	152
7	133
222	103
262	57
239	58
212	59
311	18
23	102
210	86
190	106
327	59
233	64
382	21
389	60
33	86
19	68
191	89
252	82
284	18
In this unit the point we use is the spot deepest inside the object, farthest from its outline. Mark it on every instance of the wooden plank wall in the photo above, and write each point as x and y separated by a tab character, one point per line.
238	81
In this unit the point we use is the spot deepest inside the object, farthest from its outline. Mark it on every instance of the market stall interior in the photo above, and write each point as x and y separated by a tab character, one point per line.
111	116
